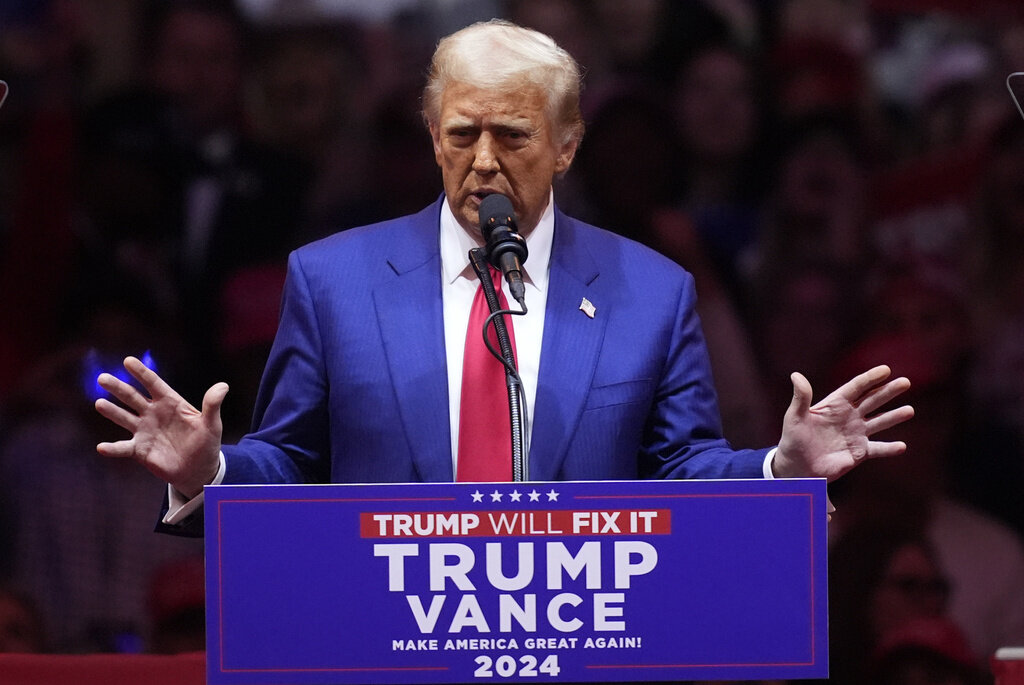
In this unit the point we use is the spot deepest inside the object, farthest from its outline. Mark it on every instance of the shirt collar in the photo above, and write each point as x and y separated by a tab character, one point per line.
456	244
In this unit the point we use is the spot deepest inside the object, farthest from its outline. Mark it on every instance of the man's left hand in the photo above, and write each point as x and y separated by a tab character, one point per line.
831	437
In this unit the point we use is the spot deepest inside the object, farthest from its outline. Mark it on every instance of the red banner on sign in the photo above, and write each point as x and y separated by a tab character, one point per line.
453	524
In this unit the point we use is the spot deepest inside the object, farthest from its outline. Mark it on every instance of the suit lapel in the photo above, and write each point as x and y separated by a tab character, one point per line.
409	313
572	342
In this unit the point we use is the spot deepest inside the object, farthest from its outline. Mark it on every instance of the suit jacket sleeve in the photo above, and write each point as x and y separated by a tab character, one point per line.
683	435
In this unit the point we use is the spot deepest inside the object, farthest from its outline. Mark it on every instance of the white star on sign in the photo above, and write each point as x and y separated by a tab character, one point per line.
552	496
534	496
515	495
478	496
495	496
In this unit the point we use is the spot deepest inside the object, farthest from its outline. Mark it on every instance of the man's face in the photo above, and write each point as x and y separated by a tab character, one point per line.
496	142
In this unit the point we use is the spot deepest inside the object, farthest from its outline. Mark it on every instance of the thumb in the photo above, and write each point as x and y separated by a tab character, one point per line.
212	401
802	394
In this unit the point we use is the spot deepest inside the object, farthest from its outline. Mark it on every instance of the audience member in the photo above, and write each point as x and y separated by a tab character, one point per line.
804	314
882	577
719	113
979	455
629	34
960	99
815	208
983	558
240	200
313	101
622	189
127	208
399	161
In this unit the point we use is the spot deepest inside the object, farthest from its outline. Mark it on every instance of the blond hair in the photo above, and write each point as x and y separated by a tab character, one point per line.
498	54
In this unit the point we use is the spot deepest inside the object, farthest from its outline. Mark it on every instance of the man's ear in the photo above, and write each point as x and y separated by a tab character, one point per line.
565	156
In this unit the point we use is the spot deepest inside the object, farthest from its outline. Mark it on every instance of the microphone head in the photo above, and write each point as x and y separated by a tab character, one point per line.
496	210
498	226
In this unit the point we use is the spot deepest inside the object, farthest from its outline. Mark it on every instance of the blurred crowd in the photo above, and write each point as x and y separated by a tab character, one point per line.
844	178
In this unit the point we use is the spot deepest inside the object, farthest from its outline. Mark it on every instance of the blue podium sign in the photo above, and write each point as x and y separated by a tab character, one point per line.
547	582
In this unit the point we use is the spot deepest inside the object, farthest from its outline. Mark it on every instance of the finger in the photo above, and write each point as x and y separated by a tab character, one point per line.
802	392
128	395
889	419
883	394
154	385
878	449
855	388
212	401
119	449
122	417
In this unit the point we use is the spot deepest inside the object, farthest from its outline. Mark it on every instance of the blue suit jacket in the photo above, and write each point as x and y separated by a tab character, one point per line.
356	387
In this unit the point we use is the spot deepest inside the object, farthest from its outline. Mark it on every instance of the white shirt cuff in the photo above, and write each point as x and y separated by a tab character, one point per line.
766	471
179	508
766	467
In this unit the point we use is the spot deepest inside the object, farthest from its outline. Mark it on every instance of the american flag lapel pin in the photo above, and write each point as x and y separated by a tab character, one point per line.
588	308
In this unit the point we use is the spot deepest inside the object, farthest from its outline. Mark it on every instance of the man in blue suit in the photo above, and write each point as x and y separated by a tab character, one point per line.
364	378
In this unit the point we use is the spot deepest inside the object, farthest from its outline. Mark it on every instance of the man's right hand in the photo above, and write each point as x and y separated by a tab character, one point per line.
174	440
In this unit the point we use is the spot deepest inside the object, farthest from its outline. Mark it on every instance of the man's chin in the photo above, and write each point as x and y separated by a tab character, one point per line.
468	215
470	223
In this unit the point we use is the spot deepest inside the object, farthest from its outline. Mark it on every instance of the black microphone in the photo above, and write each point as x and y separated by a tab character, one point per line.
506	249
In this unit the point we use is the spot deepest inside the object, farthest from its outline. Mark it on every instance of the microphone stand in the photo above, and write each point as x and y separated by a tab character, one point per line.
516	398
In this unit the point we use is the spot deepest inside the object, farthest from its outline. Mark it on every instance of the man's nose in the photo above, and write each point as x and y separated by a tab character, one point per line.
485	159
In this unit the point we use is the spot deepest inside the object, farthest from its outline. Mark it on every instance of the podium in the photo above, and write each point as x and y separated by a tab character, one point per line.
491	582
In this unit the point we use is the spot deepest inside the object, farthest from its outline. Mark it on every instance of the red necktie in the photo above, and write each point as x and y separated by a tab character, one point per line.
485	443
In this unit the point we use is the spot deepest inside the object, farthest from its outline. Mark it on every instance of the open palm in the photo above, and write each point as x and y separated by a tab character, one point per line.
831	437
174	440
